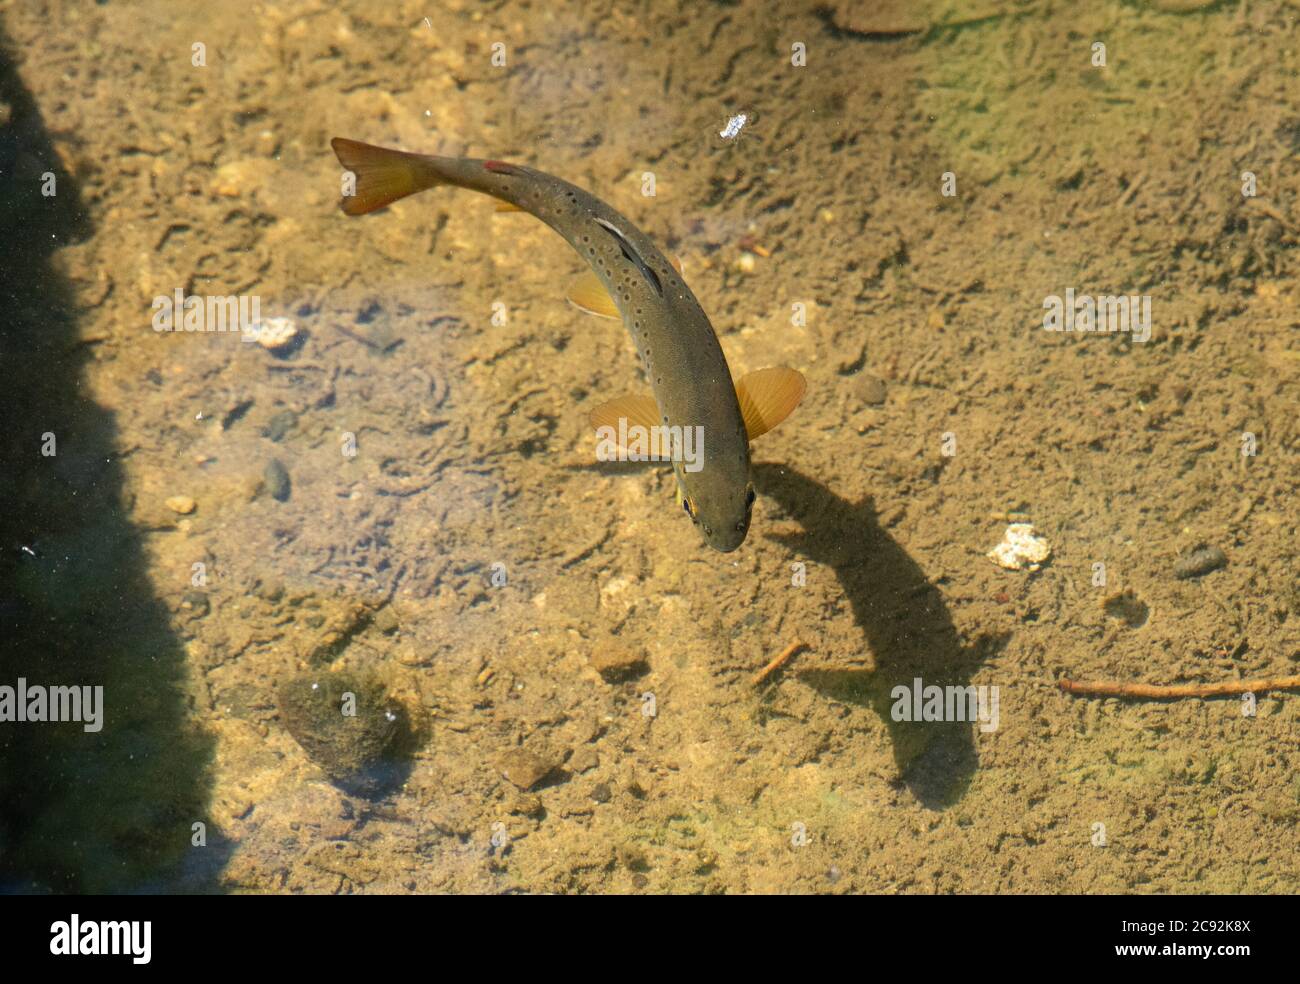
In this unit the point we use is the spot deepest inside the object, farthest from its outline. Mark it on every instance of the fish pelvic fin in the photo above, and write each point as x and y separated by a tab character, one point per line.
639	416
768	396
382	175
587	293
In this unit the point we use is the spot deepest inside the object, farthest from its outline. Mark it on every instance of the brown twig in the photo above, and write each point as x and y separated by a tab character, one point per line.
777	662
1150	691
358	338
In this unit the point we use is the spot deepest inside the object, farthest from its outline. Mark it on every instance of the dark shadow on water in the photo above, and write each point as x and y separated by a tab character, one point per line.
906	625
109	811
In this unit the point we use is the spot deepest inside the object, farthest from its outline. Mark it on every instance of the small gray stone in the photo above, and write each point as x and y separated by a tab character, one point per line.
870	389
276	478
1199	562
280	425
344	721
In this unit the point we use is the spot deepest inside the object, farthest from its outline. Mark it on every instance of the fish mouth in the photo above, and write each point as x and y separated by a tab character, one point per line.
727	541
722	536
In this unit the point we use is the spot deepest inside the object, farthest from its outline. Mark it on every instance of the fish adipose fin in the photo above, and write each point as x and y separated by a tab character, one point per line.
590	295
767	397
637	411
383	175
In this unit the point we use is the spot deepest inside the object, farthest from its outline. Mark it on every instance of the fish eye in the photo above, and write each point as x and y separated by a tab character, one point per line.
749	497
686	504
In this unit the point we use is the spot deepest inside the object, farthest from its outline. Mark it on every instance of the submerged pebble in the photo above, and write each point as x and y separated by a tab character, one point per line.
525	768
276	477
345	722
275	334
1200	561
182	504
871	390
617	664
1021	549
280	425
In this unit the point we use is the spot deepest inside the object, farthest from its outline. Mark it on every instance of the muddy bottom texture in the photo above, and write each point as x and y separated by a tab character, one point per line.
370	616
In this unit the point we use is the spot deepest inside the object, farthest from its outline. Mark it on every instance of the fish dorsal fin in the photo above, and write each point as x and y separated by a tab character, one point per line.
589	294
636	411
767	397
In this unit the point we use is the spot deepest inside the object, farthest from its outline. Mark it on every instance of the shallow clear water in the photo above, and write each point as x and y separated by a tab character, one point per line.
368	613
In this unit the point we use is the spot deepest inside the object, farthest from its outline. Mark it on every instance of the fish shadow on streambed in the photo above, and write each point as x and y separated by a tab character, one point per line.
906	625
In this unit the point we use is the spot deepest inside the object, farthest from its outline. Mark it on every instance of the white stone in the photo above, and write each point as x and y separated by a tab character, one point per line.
274	333
1020	549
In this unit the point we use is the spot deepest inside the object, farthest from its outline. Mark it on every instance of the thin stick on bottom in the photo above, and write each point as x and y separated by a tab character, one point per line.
1106	688
778	662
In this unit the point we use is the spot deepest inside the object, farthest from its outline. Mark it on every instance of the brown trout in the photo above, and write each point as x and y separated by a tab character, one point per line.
633	280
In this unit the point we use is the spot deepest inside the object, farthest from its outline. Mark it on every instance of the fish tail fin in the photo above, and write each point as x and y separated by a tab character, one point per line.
382	175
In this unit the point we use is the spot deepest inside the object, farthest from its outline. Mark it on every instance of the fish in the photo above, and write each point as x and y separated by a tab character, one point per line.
631	279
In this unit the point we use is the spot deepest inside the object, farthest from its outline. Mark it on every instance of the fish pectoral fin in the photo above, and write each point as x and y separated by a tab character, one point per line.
383	175
589	294
635	411
768	396
508	207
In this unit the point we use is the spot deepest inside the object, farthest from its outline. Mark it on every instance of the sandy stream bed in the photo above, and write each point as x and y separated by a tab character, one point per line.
923	319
